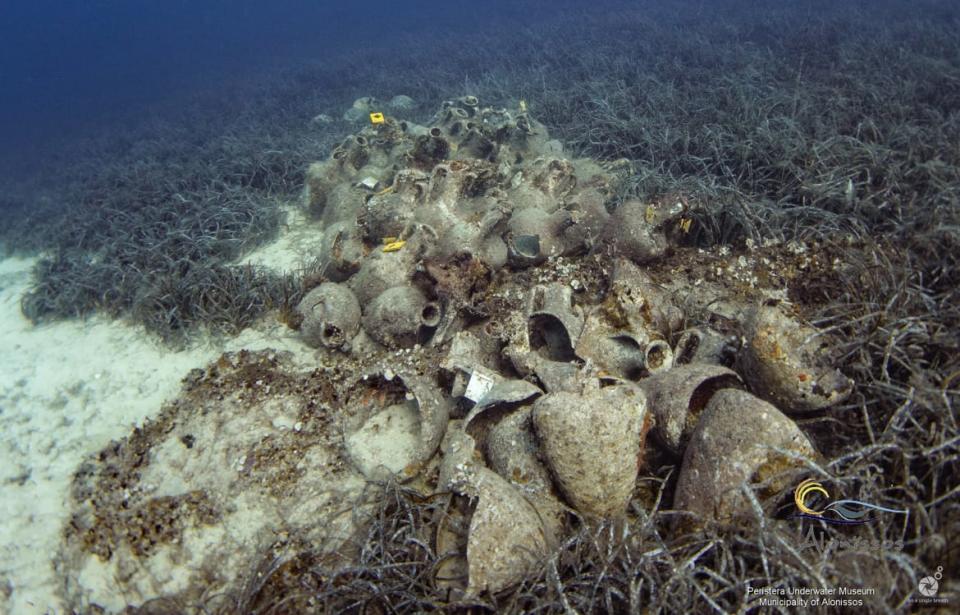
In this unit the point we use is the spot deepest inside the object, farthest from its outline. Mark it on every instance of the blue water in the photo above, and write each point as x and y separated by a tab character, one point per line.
67	65
76	68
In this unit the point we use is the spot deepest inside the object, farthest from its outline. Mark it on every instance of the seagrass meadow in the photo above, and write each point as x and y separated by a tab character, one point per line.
810	149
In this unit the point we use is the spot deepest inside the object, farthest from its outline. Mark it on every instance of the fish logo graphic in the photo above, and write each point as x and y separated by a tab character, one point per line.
839	512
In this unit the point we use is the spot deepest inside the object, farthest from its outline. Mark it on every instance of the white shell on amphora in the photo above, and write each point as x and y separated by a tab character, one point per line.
506	393
591	442
740	441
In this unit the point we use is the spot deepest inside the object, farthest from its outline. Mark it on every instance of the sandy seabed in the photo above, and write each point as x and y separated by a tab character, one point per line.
66	390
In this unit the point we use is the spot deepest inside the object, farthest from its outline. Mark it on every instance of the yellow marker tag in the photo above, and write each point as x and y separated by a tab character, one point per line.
523	106
394	246
389	240
685	224
377	118
386	190
650	214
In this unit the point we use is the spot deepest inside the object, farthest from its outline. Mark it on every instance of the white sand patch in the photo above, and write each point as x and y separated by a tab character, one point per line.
296	245
232	467
66	390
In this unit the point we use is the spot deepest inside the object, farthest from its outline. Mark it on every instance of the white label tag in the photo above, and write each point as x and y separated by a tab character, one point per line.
481	381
